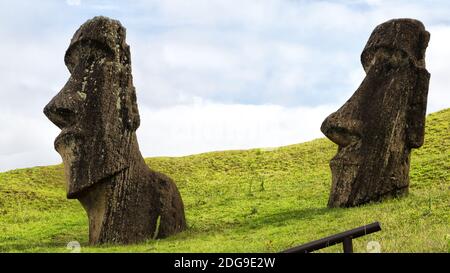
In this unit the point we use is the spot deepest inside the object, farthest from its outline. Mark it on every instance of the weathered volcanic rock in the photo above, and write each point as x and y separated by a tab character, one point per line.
383	120
125	201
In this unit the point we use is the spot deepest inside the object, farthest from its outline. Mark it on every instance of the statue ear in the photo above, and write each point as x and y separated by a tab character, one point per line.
423	44
415	130
133	120
130	113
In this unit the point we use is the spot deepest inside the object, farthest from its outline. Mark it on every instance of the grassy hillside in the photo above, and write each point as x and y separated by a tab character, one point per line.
259	200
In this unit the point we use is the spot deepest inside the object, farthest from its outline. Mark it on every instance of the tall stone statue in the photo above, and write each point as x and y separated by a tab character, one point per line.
125	201
383	120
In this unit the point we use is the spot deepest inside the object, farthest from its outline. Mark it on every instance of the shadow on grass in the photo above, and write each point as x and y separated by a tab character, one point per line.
257	220
278	219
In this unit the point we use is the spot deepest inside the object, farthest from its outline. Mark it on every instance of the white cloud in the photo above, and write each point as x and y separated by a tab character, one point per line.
73	2
26	141
206	126
178	66
438	56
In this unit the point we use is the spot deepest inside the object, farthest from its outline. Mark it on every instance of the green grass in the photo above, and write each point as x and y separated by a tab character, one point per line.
259	200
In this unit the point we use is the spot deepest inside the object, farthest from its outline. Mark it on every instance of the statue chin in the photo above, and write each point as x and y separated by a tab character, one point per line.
68	149
73	173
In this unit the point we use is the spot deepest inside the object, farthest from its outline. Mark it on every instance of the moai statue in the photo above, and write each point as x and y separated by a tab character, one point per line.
125	201
383	120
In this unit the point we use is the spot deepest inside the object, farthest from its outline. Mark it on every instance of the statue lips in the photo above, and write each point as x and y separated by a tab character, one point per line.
66	144
67	134
345	157
346	163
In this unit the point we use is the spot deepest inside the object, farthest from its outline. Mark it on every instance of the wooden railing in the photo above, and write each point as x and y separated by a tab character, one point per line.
345	238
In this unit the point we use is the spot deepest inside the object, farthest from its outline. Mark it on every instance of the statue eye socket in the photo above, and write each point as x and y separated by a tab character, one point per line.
90	50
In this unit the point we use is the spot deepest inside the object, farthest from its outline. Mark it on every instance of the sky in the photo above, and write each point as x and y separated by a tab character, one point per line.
209	74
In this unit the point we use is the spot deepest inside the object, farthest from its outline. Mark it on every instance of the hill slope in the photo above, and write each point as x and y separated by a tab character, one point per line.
246	201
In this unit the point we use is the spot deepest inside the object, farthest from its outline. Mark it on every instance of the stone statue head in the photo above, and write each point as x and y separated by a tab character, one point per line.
384	119
96	109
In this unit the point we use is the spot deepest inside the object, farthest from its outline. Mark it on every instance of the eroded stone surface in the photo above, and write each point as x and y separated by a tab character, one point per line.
97	112
383	120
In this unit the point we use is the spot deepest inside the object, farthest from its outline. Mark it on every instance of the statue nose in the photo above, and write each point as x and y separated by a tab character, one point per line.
61	110
341	127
